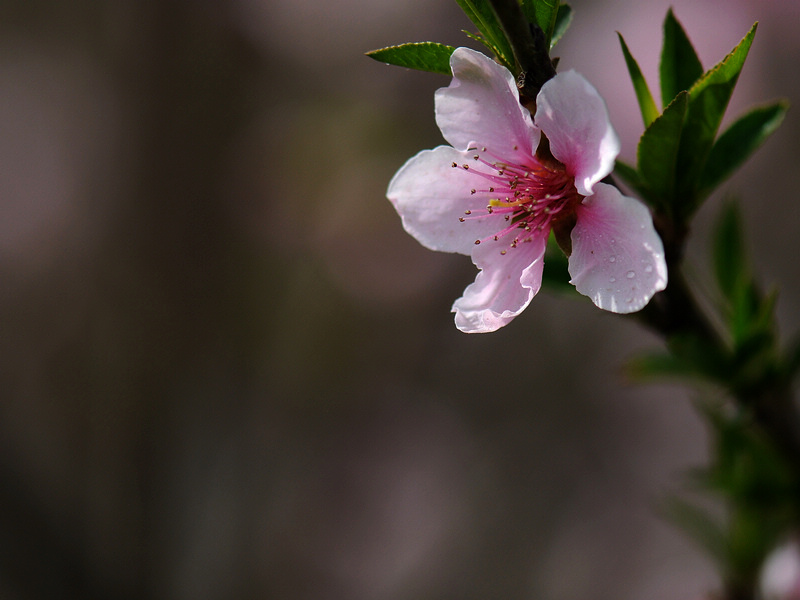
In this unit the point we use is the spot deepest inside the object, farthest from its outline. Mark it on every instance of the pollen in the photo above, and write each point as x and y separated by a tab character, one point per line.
531	196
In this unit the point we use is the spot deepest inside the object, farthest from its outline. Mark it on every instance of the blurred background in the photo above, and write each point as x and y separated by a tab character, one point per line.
226	371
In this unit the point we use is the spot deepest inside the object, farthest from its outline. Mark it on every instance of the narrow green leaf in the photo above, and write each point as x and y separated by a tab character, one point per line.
479	38
425	56
689	357
563	21
704	356
658	152
481	14
708	99
656	366
646	103
738	142
680	67
544	14
730	262
727	70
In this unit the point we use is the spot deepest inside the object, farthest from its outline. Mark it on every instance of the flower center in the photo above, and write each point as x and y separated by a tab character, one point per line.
533	197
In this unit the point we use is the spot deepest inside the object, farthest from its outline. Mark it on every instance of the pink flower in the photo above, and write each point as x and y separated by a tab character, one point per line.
780	574
506	180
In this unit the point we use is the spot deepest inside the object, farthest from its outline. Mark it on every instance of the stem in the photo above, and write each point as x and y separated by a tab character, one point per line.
529	46
675	312
770	403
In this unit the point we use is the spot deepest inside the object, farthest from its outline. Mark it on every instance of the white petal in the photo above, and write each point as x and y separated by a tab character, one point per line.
575	119
481	108
617	257
503	288
430	196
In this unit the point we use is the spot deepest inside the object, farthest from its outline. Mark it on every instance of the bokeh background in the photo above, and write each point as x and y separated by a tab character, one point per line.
226	372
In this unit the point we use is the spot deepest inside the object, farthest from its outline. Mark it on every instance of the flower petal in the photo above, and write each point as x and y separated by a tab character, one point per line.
617	257
575	119
504	287
481	107
430	196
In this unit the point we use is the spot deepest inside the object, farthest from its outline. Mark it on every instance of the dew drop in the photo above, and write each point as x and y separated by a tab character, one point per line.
648	269
612	279
630	274
612	259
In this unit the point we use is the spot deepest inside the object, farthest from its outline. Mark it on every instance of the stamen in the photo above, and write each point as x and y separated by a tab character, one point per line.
529	195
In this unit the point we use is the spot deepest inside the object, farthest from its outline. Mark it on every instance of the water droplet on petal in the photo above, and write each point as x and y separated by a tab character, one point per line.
648	269
612	279
630	274
612	259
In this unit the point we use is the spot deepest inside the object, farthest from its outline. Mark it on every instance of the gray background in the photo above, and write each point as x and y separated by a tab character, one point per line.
228	373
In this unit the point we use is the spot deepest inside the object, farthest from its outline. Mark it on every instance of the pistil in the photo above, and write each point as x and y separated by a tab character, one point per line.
533	197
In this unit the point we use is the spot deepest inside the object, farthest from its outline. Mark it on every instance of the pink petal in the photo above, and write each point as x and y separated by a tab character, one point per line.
503	288
481	108
617	257
430	196
575	119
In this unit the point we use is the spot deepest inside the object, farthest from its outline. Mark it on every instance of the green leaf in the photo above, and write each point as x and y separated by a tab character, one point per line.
425	56
659	366
646	103
689	357
748	313
563	21
481	14
556	276
680	68
705	357
658	152
708	99
630	176
727	70
791	359
543	13
730	261
738	142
